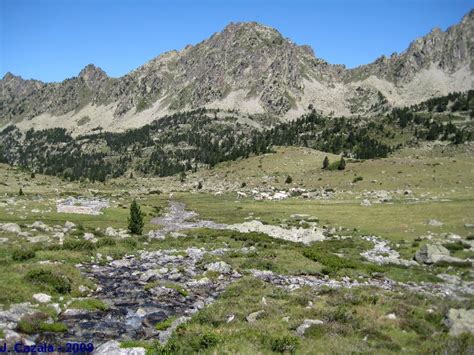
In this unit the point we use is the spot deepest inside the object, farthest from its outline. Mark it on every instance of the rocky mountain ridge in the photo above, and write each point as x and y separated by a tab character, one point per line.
246	67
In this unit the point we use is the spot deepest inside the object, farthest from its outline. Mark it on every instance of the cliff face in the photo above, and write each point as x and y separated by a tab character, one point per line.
247	67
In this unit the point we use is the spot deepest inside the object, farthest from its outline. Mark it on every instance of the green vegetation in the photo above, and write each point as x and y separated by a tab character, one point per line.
49	280
90	304
23	254
185	141
84	120
326	162
165	324
39	322
135	221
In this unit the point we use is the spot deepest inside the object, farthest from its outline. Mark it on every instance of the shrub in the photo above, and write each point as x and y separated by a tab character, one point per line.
81	244
129	243
49	280
56	327
288	180
357	179
105	242
284	344
30	323
208	340
23	254
454	246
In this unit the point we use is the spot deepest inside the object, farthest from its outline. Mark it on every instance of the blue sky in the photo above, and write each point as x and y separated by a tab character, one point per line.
51	40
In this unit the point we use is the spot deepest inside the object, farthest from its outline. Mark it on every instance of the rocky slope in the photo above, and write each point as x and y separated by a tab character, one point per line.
247	67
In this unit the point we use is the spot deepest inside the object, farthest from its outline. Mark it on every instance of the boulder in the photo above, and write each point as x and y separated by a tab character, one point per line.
220	267
438	255
307	323
69	225
90	237
11	337
110	232
252	317
112	347
431	253
11	227
42	298
156	235
460	321
39	225
38	239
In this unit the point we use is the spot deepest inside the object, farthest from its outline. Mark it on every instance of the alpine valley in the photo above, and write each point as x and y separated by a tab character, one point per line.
243	196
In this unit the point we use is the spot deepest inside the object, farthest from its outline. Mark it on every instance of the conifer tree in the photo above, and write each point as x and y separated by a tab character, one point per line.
135	221
326	163
20	193
342	164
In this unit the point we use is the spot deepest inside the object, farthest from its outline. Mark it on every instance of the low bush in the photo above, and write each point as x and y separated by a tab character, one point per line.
284	344
105	242
454	246
23	254
80	244
50	280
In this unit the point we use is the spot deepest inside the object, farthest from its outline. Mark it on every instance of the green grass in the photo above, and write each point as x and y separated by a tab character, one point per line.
401	220
89	304
349	315
165	324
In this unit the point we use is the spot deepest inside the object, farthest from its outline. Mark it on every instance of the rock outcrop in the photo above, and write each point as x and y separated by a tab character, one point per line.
438	255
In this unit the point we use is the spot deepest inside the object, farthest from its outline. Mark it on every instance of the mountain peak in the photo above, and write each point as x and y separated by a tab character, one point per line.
9	76
91	73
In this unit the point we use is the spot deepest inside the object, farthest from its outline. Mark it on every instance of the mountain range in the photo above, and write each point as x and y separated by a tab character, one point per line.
247	68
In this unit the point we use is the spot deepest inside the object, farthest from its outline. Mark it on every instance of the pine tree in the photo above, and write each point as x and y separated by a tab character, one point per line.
199	187
342	164
20	193
326	163
135	221
288	180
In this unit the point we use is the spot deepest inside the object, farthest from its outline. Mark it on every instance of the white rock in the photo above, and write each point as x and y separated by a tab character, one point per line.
307	323
11	227
11	337
39	225
460	321
42	298
69	225
391	316
84	289
38	239
220	267
252	317
89	236
110	232
112	347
